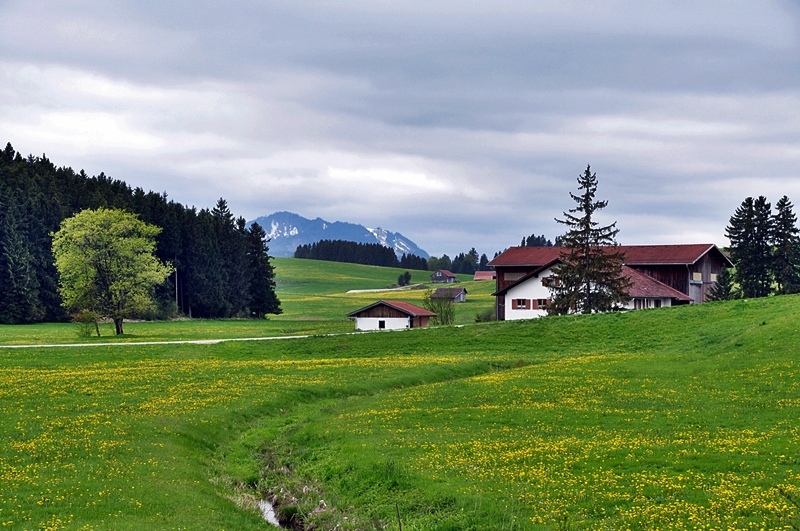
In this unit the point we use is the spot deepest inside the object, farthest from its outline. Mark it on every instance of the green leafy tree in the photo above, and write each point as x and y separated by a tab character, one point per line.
404	279
435	264
590	275
723	289
106	264
786	258
751	232
443	307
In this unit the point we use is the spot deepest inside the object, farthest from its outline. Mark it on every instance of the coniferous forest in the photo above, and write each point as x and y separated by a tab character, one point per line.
223	269
358	253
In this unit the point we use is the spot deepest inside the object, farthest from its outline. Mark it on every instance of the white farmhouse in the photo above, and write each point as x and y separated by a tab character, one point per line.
528	294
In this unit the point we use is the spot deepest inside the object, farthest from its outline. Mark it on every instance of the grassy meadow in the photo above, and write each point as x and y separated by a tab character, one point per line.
676	418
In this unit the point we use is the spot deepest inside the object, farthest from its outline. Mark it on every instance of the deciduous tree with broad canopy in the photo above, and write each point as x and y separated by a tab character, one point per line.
106	264
590	275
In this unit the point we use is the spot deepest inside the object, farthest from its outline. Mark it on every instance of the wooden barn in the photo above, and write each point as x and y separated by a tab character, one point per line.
391	315
454	294
443	276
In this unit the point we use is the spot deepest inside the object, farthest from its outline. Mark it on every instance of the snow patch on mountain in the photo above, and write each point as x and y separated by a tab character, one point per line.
288	230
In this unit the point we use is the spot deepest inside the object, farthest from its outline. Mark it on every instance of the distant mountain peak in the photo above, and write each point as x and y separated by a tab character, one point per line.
287	230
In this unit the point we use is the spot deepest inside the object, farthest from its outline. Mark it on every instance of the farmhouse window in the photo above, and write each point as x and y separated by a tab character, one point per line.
543	303
520	304
697	276
713	277
512	276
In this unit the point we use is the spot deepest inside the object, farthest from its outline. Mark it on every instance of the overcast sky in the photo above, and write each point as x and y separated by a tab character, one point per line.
458	124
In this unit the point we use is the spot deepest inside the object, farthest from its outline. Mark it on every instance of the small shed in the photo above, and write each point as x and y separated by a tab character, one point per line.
443	276
391	315
454	294
484	275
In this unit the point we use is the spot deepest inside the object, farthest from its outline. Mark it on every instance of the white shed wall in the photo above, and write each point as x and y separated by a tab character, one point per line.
371	323
530	289
648	302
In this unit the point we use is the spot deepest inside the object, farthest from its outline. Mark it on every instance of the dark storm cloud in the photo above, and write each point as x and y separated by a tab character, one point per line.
458	124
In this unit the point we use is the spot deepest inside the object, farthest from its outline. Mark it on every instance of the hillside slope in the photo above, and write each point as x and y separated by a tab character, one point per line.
673	418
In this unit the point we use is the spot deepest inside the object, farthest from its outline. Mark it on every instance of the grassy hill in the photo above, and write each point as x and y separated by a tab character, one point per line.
676	418
318	290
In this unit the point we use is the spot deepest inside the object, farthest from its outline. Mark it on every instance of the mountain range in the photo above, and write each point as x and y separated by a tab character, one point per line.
287	230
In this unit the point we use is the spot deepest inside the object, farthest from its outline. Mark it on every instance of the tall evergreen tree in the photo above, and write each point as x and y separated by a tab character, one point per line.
262	275
750	232
590	275
786	259
19	285
722	289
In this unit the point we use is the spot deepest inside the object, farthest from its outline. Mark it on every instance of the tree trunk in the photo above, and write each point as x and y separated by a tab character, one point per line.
118	325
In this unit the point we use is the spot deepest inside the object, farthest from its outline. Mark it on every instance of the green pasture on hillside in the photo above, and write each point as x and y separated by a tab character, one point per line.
676	418
315	289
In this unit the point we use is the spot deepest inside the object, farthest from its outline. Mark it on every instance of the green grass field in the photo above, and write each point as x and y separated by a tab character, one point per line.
313	289
677	418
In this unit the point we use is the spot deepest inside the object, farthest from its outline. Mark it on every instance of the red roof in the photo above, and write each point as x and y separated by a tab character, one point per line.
484	275
445	293
405	307
445	272
642	285
634	254
646	286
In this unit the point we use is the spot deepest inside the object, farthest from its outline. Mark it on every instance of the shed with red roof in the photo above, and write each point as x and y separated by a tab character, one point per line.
443	276
391	315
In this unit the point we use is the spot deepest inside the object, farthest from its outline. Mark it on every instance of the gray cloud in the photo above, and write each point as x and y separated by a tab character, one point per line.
457	124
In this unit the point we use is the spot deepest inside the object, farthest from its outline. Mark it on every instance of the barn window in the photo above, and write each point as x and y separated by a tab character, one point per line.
697	276
657	303
381	325
713	277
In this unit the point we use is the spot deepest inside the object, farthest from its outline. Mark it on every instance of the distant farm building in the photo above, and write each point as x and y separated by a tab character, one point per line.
484	275
443	276
391	315
660	275
454	294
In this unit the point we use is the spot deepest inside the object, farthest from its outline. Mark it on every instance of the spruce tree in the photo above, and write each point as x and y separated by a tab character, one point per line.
750	232
590	275
262	275
786	258
723	289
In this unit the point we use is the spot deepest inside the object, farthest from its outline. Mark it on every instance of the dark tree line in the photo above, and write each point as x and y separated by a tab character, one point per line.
765	249
539	241
358	253
223	268
464	263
